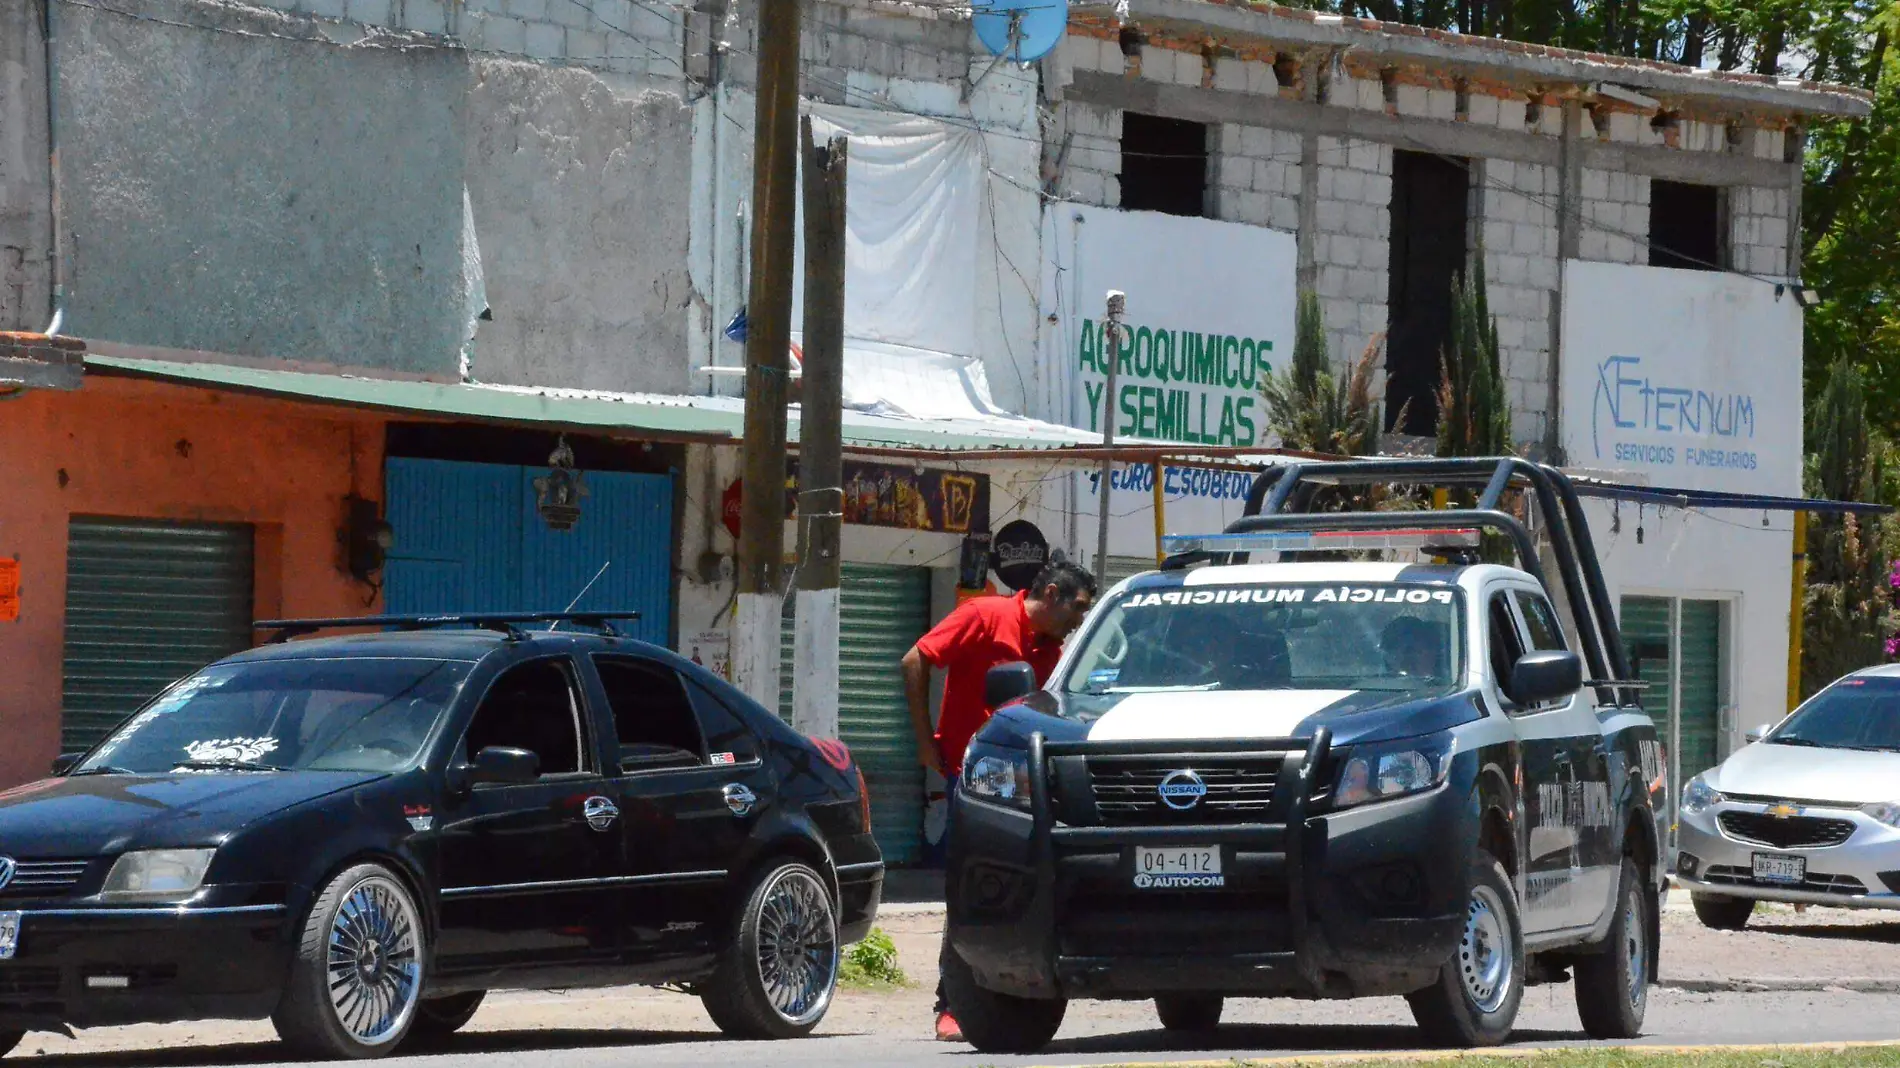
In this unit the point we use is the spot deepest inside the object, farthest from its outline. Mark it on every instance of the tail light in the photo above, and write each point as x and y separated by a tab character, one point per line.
864	802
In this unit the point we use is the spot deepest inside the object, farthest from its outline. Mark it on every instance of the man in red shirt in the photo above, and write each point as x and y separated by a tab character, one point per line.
980	634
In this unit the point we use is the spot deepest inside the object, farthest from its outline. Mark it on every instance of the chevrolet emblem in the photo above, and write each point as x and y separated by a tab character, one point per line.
1784	810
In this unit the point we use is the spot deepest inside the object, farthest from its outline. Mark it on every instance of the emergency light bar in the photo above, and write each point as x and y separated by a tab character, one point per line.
1307	540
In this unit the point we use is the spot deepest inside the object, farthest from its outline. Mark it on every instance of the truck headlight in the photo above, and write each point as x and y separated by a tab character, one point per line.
998	775
1393	769
156	874
1698	796
1887	812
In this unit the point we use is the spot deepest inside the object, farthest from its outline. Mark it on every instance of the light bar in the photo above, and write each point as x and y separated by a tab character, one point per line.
1307	540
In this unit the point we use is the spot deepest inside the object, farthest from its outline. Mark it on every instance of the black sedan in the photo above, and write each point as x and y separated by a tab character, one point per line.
358	836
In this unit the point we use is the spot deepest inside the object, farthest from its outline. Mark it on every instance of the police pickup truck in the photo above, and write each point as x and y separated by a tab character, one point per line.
1318	776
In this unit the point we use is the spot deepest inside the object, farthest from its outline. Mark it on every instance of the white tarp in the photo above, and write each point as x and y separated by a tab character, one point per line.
1690	378
911	209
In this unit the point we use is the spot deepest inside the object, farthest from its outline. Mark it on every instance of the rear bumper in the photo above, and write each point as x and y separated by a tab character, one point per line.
860	891
102	966
1329	905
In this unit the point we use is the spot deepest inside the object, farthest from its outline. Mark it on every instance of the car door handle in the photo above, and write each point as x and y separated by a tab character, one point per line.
739	798
599	812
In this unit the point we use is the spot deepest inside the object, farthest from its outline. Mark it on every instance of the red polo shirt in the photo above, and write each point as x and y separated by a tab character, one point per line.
980	634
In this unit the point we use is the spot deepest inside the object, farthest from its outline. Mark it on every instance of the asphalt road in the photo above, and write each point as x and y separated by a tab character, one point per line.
579	1031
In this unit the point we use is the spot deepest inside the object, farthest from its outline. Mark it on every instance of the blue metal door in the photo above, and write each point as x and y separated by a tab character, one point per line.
468	539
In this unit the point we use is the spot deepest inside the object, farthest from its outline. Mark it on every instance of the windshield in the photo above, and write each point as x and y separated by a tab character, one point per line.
1861	713
354	714
1399	638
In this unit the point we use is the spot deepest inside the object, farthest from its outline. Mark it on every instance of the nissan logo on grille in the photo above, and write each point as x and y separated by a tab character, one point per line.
1181	790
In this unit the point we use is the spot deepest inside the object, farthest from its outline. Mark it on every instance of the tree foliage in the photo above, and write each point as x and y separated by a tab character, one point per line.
1312	409
1848	614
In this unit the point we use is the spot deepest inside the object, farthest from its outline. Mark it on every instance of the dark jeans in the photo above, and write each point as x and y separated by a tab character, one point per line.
943	953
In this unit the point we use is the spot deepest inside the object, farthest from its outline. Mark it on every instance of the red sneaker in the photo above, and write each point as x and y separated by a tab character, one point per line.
947	1029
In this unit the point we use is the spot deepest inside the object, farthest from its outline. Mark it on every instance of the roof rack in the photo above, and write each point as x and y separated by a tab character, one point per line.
508	623
1280	499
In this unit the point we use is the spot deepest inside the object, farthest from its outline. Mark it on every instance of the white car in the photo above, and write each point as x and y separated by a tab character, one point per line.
1808	812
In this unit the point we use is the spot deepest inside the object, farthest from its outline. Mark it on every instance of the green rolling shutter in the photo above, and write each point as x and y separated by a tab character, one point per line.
147	603
1701	687
882	612
1645	625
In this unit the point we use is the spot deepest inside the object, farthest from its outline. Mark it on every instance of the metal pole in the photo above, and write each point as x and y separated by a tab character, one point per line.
820	442
1161	524
768	338
1797	607
1111	343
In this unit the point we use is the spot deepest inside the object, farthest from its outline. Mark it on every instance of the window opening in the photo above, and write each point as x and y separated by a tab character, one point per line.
1685	226
533	706
1164	165
653	717
1430	209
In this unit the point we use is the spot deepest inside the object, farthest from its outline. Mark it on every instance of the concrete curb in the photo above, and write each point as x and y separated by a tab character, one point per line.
1427	1056
1783	985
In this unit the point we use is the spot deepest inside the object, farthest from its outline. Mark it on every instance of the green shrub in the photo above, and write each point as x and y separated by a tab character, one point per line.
872	962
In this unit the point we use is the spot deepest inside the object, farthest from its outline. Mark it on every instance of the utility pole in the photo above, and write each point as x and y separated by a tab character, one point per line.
820	441
1112	344
755	645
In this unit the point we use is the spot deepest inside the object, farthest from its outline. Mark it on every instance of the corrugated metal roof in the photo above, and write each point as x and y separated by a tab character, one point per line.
651	415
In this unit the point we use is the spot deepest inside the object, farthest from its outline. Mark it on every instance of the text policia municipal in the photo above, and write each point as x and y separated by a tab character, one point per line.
1177	385
1291	595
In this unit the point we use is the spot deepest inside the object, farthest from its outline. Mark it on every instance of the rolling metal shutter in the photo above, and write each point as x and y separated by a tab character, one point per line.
147	603
882	612
1701	670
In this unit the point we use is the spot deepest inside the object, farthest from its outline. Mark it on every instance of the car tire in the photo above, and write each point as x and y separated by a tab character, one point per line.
356	979
1612	987
1720	913
438	1018
998	1023
776	976
1196	1013
1475	998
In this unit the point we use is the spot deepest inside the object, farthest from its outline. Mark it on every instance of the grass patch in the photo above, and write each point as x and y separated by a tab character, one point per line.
872	964
1821	1056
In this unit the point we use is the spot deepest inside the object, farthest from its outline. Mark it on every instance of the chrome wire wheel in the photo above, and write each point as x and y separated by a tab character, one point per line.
797	946
1636	949
373	961
1485	960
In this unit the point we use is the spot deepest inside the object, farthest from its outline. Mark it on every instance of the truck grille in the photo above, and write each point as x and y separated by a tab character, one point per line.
1794	832
44	878
1128	791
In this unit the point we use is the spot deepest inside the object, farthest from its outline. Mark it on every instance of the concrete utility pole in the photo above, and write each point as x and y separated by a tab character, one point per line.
1112	345
820	441
755	644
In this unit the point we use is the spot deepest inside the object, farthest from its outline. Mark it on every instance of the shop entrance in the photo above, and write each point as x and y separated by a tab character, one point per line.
1675	645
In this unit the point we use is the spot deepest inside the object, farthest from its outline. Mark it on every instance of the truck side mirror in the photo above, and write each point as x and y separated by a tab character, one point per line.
1008	682
503	765
1544	676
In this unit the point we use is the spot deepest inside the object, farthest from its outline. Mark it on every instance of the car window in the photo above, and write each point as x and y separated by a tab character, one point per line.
1858	712
653	718
1505	642
307	714
1541	620
534	706
728	739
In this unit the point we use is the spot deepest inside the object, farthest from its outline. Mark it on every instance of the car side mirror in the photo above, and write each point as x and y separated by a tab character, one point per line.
64	762
1756	734
503	765
1008	682
1544	676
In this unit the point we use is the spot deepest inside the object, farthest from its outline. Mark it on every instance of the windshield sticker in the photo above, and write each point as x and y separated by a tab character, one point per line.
1104	676
248	750
722	759
1292	595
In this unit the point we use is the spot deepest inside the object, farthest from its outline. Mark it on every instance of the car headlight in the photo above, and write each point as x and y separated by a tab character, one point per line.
1394	769
1887	812
1699	795
153	874
999	775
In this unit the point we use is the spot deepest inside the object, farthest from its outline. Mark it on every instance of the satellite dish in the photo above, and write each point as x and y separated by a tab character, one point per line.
1021	31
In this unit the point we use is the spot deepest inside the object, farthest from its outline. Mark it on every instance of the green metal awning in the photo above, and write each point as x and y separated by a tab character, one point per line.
669	417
